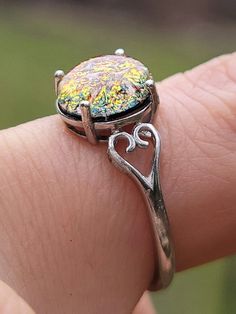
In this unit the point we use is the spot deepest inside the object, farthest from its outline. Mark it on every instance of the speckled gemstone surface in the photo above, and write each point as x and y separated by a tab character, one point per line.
112	84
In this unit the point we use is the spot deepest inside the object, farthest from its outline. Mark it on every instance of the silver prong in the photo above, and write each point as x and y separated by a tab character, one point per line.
87	121
155	98
150	83
120	52
58	76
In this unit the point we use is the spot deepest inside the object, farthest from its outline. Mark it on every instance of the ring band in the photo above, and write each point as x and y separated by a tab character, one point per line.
104	98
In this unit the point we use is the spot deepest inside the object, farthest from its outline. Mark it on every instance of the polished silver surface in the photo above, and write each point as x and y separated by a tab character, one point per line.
120	52
155	99
150	186
58	76
107	127
87	122
150	83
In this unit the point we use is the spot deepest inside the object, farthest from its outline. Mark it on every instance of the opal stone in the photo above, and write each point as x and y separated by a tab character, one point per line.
112	84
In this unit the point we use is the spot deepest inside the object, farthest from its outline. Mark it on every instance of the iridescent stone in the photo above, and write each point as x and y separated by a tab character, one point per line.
112	84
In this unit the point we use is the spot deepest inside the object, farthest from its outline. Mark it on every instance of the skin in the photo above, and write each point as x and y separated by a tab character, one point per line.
74	231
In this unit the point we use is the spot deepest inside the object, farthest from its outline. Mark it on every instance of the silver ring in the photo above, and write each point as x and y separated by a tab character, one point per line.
114	97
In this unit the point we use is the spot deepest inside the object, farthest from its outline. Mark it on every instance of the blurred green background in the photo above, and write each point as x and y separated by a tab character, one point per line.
37	40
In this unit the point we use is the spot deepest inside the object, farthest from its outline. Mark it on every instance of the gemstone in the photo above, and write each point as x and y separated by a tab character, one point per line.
112	84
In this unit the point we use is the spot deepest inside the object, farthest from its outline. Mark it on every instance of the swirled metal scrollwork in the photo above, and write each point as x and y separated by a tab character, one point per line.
150	186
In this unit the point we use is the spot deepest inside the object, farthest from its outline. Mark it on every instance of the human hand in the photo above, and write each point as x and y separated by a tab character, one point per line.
74	231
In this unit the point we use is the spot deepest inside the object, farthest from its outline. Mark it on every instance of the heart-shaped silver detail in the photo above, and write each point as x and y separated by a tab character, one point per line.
150	186
145	129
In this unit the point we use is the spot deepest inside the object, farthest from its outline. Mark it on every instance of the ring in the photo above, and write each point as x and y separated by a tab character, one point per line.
104	98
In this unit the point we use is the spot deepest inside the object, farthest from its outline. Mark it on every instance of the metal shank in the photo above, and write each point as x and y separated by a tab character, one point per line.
112	130
150	186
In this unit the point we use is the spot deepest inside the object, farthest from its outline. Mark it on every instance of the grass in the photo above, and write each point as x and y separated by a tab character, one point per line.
33	45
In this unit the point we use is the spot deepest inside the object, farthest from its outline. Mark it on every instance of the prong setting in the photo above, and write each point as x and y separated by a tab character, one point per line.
84	103
120	52
58	76
155	99
87	122
150	83
95	111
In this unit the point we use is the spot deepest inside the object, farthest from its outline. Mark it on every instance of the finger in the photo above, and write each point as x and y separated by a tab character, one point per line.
197	123
74	231
12	303
144	305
